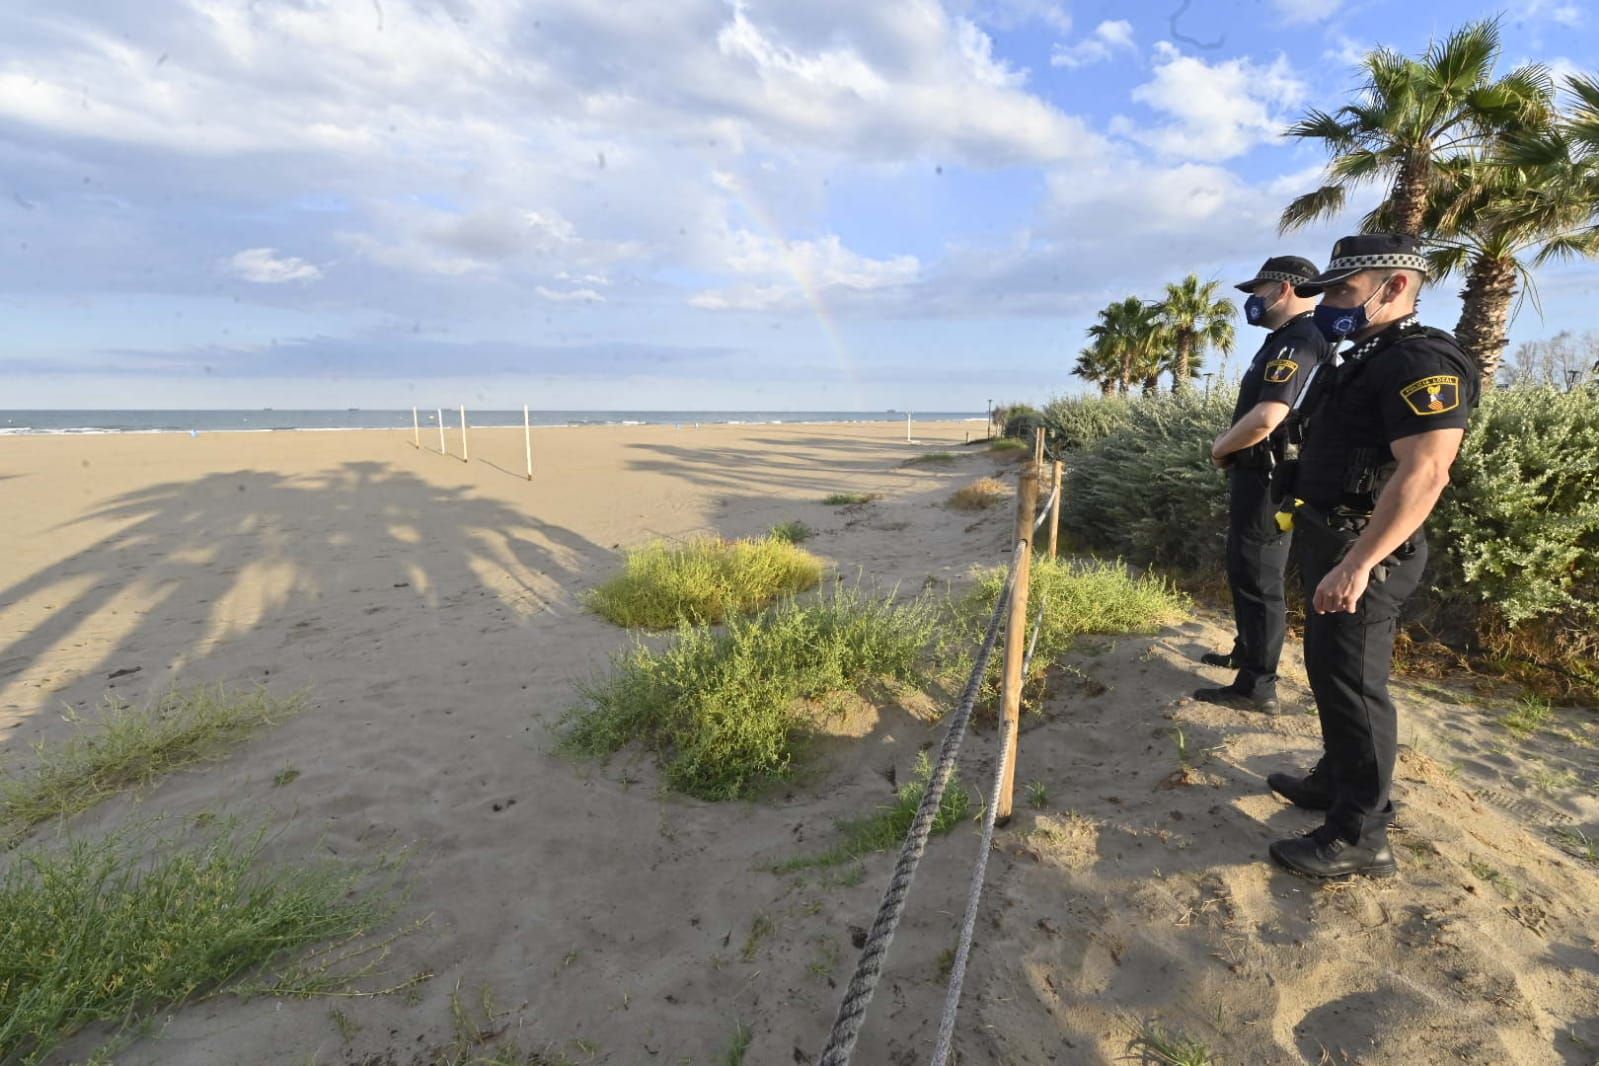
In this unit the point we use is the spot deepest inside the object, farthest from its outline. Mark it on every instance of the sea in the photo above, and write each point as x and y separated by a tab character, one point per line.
21	423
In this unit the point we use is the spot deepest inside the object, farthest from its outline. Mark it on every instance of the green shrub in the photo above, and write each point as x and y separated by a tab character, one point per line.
1007	444
931	459
134	746
1077	422
793	532
1519	525
849	499
1022	421
703	580
722	710
1148	491
117	928
1077	598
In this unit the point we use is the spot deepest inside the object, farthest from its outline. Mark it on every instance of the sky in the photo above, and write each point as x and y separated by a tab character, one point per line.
658	204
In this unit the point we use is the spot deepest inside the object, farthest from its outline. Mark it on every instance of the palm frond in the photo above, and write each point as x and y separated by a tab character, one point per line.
1464	58
1325	202
1583	244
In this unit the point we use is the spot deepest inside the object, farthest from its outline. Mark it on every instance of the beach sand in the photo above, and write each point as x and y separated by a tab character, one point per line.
429	609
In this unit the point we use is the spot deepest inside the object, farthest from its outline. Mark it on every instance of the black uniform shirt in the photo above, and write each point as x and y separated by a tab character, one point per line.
1281	367
1411	380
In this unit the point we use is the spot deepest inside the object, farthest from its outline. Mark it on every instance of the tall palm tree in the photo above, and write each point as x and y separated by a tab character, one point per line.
1196	320
1097	363
1132	332
1537	192
1411	114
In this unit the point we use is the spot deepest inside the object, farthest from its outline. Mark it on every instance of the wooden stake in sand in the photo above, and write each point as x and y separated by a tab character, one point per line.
444	449
527	438
466	456
1016	632
1038	445
1060	501
416	430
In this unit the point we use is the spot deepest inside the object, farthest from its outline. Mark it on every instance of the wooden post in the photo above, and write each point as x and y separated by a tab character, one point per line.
1038	446
466	456
527	438
1016	633
416	430
1060	501
444	449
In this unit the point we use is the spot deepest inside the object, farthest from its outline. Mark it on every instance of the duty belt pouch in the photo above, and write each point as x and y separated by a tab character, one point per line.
1283	477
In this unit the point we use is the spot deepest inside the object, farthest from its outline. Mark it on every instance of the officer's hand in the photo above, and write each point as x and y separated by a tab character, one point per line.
1221	462
1340	591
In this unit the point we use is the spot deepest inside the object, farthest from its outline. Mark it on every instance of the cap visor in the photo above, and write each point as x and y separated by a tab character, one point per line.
1315	285
1247	286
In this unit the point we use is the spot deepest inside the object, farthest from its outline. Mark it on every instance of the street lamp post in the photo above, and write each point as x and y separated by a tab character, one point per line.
1208	375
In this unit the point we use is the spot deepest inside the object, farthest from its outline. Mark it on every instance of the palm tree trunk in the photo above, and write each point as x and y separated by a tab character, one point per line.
1484	313
1179	372
1126	381
1409	197
1107	387
1151	384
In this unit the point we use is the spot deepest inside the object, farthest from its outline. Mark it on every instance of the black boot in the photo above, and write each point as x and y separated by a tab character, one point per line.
1312	792
1237	698
1326	855
1226	661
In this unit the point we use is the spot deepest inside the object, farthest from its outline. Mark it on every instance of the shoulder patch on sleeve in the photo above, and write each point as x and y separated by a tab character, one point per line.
1432	395
1281	371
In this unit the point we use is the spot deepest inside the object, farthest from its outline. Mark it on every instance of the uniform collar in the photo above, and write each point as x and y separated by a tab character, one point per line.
1285	325
1381	338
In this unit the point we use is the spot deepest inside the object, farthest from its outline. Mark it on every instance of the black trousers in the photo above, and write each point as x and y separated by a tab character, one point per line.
1257	554
1348	658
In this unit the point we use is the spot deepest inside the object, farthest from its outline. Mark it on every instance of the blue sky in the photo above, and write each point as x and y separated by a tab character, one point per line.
660	203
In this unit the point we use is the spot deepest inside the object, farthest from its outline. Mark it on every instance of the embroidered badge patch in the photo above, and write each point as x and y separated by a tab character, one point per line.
1281	371
1432	396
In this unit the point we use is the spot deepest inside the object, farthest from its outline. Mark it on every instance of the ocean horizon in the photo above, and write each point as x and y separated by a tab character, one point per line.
261	420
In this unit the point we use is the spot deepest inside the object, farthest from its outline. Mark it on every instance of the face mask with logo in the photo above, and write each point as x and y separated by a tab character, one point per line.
1256	309
1336	323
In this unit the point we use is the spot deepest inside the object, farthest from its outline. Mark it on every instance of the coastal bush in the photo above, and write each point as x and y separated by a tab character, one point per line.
724	711
792	532
703	580
1009	446
931	459
1514	567
1147	491
1077	422
1077	598
118	928
131	747
979	495
1021	421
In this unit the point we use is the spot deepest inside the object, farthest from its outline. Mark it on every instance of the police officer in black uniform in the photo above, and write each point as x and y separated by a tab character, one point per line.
1379	434
1257	550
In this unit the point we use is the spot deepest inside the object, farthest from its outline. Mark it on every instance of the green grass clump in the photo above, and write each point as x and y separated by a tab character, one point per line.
932	459
703	580
792	532
1007	444
101	932
849	499
722	710
134	746
1158	1046
1531	714
885	829
1078	598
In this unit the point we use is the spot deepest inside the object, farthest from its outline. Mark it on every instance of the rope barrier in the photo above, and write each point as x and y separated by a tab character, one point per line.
963	950
869	968
1043	514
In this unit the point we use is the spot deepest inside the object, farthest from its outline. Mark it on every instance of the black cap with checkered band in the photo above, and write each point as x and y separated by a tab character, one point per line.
1290	268
1366	251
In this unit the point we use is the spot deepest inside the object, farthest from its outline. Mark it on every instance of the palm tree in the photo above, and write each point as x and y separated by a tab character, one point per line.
1097	363
1538	192
1132	332
1196	320
1412	114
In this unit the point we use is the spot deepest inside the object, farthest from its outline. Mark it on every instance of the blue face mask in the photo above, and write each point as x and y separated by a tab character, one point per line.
1336	323
1256	309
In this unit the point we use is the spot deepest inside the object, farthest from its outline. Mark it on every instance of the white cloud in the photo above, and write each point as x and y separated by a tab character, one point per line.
785	275
1563	12
1219	110
1302	12
1107	37
1346	50
569	295
265	267
1013	14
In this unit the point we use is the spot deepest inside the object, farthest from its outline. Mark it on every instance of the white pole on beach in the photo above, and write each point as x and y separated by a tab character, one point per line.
444	449
466	456
527	438
907	427
416	430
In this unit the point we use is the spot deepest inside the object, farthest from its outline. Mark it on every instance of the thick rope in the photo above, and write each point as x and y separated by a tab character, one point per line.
957	973
869	968
1054	498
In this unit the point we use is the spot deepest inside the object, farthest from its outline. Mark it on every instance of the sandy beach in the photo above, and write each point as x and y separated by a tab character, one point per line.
430	610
